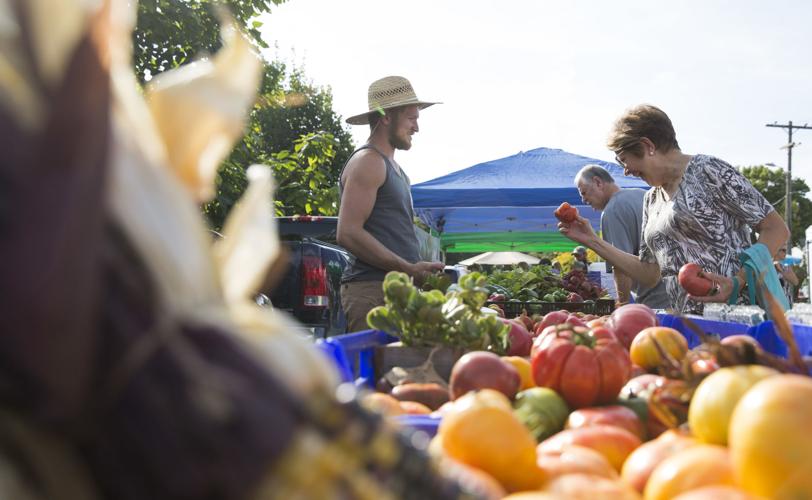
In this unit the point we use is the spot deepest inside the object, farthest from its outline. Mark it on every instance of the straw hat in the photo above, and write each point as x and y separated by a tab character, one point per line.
387	93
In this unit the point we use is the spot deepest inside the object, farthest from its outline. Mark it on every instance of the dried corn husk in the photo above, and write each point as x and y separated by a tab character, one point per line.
200	109
250	240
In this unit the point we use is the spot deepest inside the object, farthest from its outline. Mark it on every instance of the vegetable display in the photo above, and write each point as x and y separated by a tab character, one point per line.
432	318
536	283
577	282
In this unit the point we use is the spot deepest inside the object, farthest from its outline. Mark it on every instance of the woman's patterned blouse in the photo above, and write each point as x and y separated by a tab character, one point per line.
708	221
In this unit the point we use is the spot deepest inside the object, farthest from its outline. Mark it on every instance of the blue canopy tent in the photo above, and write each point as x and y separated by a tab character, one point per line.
507	204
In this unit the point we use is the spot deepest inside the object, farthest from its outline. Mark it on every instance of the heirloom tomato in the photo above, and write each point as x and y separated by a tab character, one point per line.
583	369
566	213
717	395
644	351
770	440
627	321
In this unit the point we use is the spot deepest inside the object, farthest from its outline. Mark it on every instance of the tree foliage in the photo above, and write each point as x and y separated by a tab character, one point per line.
772	184
173	32
292	127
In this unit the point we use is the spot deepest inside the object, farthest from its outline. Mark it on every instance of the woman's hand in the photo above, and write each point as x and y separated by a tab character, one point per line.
722	288
580	230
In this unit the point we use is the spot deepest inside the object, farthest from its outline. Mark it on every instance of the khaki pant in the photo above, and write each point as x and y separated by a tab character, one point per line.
357	299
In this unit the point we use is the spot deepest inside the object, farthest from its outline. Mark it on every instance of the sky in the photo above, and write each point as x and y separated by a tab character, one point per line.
515	75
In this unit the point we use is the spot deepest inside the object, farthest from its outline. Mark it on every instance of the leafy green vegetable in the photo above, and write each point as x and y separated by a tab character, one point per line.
526	285
431	318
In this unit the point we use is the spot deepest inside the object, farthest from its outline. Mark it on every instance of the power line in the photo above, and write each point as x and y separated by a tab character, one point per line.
790	145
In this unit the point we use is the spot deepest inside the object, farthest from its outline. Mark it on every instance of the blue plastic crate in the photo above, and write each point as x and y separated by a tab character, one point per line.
721	329
771	342
426	423
763	332
353	354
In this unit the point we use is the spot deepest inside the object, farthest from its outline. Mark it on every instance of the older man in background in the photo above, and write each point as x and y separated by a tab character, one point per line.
621	223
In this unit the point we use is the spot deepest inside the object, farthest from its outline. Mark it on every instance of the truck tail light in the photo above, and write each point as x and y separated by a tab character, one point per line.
314	282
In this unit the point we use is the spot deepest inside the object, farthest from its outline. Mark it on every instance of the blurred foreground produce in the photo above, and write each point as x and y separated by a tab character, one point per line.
132	349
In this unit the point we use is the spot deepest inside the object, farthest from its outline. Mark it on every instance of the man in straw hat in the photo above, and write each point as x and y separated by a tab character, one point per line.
375	219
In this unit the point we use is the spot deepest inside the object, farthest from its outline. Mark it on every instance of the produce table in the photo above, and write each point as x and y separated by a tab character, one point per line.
353	352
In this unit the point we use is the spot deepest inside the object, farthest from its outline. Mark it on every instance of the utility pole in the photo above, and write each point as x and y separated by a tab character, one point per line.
788	197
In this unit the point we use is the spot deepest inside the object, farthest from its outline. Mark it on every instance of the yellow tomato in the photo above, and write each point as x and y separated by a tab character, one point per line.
522	366
644	352
771	438
689	469
480	430
714	400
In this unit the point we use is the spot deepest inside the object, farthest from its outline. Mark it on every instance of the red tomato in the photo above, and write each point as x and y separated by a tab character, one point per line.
693	280
551	319
628	320
619	416
566	213
583	369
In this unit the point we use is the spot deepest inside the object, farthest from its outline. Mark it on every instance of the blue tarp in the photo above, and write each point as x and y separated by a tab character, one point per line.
514	194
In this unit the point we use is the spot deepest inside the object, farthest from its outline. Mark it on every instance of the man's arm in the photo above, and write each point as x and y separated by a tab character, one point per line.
365	173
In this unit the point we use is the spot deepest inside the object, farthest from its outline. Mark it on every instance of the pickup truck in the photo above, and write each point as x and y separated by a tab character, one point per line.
310	289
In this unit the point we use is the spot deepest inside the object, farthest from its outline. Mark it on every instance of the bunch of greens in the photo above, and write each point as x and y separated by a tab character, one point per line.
527	285
432	318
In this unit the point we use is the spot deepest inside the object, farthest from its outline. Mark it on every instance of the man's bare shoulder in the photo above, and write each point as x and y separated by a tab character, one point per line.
366	165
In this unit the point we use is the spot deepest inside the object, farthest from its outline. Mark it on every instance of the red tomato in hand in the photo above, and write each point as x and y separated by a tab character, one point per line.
693	280
566	213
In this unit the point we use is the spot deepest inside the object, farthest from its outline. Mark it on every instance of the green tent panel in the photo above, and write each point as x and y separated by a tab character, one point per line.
503	242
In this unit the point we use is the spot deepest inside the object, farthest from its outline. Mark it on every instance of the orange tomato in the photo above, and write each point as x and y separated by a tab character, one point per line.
587	486
770	440
714	400
689	469
472	479
480	430
614	443
644	352
716	493
644	459
576	459
522	366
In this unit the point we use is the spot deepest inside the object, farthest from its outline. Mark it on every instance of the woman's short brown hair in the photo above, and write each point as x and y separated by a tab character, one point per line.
641	121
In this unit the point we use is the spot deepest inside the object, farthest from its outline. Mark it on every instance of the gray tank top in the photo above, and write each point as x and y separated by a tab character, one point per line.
390	222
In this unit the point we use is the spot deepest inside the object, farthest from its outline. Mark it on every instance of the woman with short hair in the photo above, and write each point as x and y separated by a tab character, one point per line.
699	209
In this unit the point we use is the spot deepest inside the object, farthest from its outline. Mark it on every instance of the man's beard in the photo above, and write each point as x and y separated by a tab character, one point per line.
398	142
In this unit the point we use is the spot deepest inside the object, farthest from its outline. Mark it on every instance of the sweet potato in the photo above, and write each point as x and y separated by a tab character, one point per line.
431	395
